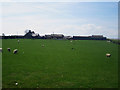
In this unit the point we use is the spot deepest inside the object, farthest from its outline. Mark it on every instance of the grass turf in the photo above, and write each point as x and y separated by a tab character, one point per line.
59	64
0	65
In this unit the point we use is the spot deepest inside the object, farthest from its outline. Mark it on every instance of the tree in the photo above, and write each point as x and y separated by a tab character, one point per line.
3	34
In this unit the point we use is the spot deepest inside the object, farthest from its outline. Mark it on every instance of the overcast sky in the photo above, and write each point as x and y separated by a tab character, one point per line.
68	18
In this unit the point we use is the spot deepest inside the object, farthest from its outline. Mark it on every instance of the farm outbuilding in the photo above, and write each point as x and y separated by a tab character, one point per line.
58	36
93	37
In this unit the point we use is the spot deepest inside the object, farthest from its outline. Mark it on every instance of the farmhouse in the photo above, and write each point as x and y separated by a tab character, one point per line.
31	34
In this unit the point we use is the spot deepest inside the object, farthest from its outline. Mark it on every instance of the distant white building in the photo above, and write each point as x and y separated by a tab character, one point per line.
54	36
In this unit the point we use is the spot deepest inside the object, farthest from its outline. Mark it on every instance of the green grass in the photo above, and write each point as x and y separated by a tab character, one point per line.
57	65
0	65
116	40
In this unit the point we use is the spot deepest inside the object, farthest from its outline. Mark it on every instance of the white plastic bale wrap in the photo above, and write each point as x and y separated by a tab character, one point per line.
0	49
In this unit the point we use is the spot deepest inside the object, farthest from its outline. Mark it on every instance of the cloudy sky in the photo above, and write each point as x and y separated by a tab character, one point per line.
68	18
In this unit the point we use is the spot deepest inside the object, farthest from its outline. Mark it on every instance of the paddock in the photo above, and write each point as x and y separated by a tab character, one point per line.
58	66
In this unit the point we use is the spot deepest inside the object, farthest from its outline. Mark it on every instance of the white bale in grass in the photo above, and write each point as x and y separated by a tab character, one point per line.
16	84
0	49
8	49
108	54
43	45
18	41
108	41
15	51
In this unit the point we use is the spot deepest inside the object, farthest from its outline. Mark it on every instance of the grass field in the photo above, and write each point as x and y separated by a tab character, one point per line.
57	65
115	41
0	65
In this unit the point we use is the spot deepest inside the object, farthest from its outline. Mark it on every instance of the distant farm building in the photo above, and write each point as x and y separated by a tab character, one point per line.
54	36
67	37
57	36
31	34
93	37
48	37
13	37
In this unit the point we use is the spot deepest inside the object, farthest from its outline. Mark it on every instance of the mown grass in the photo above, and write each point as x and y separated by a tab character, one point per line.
115	41
0	64
57	65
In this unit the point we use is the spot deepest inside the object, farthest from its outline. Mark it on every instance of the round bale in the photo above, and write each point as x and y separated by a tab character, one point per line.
8	49
108	41
108	54
43	45
15	51
0	49
18	41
